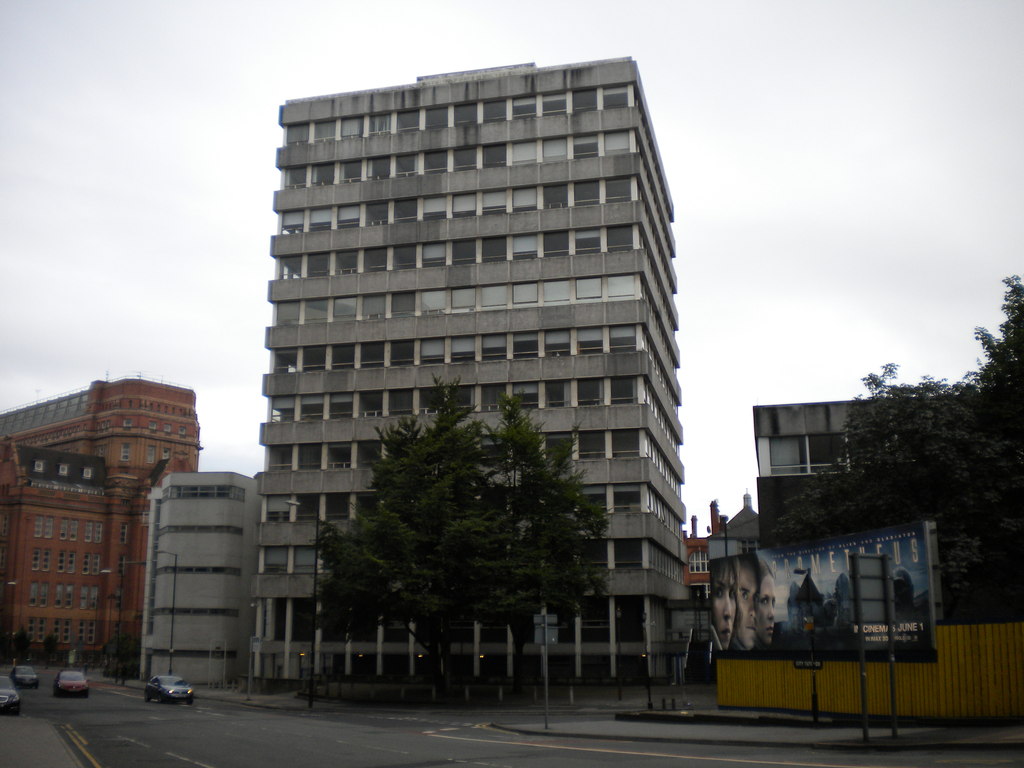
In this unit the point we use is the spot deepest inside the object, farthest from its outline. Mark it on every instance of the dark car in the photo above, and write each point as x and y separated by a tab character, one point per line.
24	677
168	688
70	682
10	702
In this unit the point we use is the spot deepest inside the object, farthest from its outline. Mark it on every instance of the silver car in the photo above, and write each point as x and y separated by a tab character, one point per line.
168	688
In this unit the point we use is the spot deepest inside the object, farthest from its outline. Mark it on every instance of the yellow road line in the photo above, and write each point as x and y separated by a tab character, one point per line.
79	744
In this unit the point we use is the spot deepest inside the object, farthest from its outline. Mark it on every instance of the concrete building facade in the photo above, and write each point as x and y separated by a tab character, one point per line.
793	441
75	473
200	561
509	228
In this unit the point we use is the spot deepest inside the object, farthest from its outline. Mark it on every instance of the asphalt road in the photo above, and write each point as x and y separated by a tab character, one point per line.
115	728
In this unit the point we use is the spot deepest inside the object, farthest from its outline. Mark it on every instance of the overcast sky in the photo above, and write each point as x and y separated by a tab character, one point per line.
847	180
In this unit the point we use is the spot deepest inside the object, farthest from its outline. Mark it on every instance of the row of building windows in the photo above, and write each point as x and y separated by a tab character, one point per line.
560	393
36	630
491	346
205	492
63	595
306	507
376	306
431	208
456	252
67	561
447	115
458	205
43	528
129	423
459	159
590	444
63	469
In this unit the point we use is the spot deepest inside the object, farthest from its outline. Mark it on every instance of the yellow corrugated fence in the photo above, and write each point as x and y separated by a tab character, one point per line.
979	673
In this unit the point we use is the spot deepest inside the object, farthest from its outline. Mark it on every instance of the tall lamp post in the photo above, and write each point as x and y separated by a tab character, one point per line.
174	596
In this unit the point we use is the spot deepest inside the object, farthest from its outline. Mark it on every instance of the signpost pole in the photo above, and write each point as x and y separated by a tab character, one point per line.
858	618
890	621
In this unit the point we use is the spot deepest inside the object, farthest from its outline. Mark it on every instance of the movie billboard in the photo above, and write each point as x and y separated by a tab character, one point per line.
779	599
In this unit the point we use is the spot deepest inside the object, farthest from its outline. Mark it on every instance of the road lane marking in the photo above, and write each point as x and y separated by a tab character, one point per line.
638	753
188	760
78	743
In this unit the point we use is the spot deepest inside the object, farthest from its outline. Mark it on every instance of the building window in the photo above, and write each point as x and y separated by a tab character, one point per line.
343	355
341	405
524	345
495	155
435	162
38	465
435	117
296	134
465	113
150	454
524	106
275	559
432	351
615	142
589	341
584	101
616	97
495	111
494	346
553	104
380	123
591	445
408	120
699	561
584	146
556	343
556	393
626	498
590	392
400	402
339	455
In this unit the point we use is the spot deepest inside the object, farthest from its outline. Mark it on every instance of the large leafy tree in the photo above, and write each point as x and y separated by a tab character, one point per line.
938	451
423	554
544	523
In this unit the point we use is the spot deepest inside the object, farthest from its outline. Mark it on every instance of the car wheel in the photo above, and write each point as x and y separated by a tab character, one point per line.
146	696
86	694
191	702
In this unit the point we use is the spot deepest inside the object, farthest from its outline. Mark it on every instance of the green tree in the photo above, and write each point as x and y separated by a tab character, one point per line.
938	451
545	523
49	646
423	554
21	642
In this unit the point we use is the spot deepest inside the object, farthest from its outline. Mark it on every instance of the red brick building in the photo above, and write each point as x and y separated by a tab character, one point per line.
75	474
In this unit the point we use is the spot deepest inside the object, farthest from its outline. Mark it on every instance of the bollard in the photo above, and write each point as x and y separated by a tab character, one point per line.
501	693
673	704
572	698
662	705
467	693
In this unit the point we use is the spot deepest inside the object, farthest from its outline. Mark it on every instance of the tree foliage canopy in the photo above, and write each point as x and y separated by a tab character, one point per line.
467	523
949	452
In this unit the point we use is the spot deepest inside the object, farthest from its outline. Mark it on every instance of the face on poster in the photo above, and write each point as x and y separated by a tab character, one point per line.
777	599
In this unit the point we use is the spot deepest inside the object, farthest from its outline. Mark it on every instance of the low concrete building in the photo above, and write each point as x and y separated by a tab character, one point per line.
793	441
201	558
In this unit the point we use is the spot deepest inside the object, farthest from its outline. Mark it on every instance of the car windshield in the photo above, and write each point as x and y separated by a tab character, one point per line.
24	670
71	675
175	681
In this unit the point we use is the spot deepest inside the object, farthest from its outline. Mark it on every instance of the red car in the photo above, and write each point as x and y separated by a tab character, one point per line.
70	682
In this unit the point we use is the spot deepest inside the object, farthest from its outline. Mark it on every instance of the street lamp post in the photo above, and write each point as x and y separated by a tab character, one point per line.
174	596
